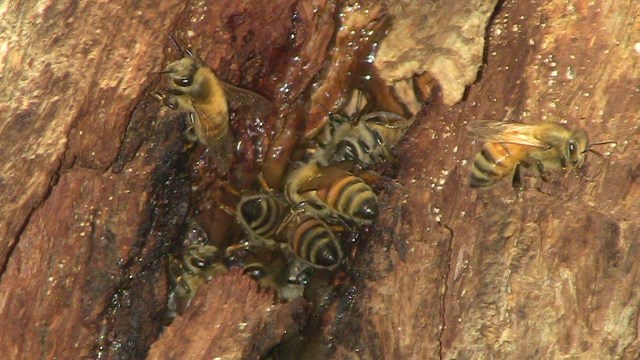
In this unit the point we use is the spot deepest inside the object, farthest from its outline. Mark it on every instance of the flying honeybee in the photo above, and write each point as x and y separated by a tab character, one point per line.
332	191
514	148
198	265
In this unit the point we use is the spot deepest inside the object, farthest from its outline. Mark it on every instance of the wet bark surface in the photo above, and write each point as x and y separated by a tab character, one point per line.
98	183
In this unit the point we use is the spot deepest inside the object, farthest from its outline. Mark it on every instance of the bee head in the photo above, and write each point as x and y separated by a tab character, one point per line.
345	151
576	148
256	270
182	72
199	257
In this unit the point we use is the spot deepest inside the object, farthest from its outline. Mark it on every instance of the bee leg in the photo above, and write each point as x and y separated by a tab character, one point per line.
231	250
297	210
517	182
166	99
230	188
541	171
264	185
229	210
190	132
337	223
219	196
292	214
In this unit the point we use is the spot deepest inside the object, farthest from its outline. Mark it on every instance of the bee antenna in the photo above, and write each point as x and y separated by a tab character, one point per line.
597	153
361	109
180	48
601	143
588	148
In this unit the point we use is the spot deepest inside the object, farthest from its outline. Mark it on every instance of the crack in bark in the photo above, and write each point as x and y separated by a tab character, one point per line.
445	276
53	181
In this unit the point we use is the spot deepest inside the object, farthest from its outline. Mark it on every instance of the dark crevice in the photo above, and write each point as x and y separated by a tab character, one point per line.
487	36
445	276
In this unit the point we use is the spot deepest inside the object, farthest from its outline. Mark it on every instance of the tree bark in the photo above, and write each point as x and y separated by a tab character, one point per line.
97	186
458	273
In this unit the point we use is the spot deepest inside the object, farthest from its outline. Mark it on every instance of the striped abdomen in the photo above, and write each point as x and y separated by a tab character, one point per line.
313	242
495	162
261	215
352	198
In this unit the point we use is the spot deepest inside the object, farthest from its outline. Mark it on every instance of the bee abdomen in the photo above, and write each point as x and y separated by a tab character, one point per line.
489	166
313	242
262	214
353	198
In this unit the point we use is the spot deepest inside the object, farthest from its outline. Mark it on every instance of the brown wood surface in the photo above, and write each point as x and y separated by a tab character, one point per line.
96	185
230	304
458	273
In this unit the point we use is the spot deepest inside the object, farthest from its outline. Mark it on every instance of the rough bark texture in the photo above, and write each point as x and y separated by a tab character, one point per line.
201	332
95	187
464	274
444	38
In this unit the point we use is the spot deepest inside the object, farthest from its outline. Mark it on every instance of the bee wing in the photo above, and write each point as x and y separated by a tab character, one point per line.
326	176
246	99
387	119
505	132
204	119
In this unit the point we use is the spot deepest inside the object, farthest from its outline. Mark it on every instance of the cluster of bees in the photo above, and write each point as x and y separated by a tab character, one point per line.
327	195
307	225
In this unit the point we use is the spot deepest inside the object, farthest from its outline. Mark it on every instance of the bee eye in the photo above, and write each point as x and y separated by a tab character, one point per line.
255	271
197	263
378	138
184	81
300	279
574	155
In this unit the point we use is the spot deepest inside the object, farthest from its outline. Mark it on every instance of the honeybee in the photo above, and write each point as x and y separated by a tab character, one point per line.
332	191
366	141
199	264
261	215
312	241
306	236
195	88
514	148
272	268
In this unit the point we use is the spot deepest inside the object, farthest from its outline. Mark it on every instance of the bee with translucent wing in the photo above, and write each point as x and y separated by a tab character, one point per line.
513	148
332	191
195	88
